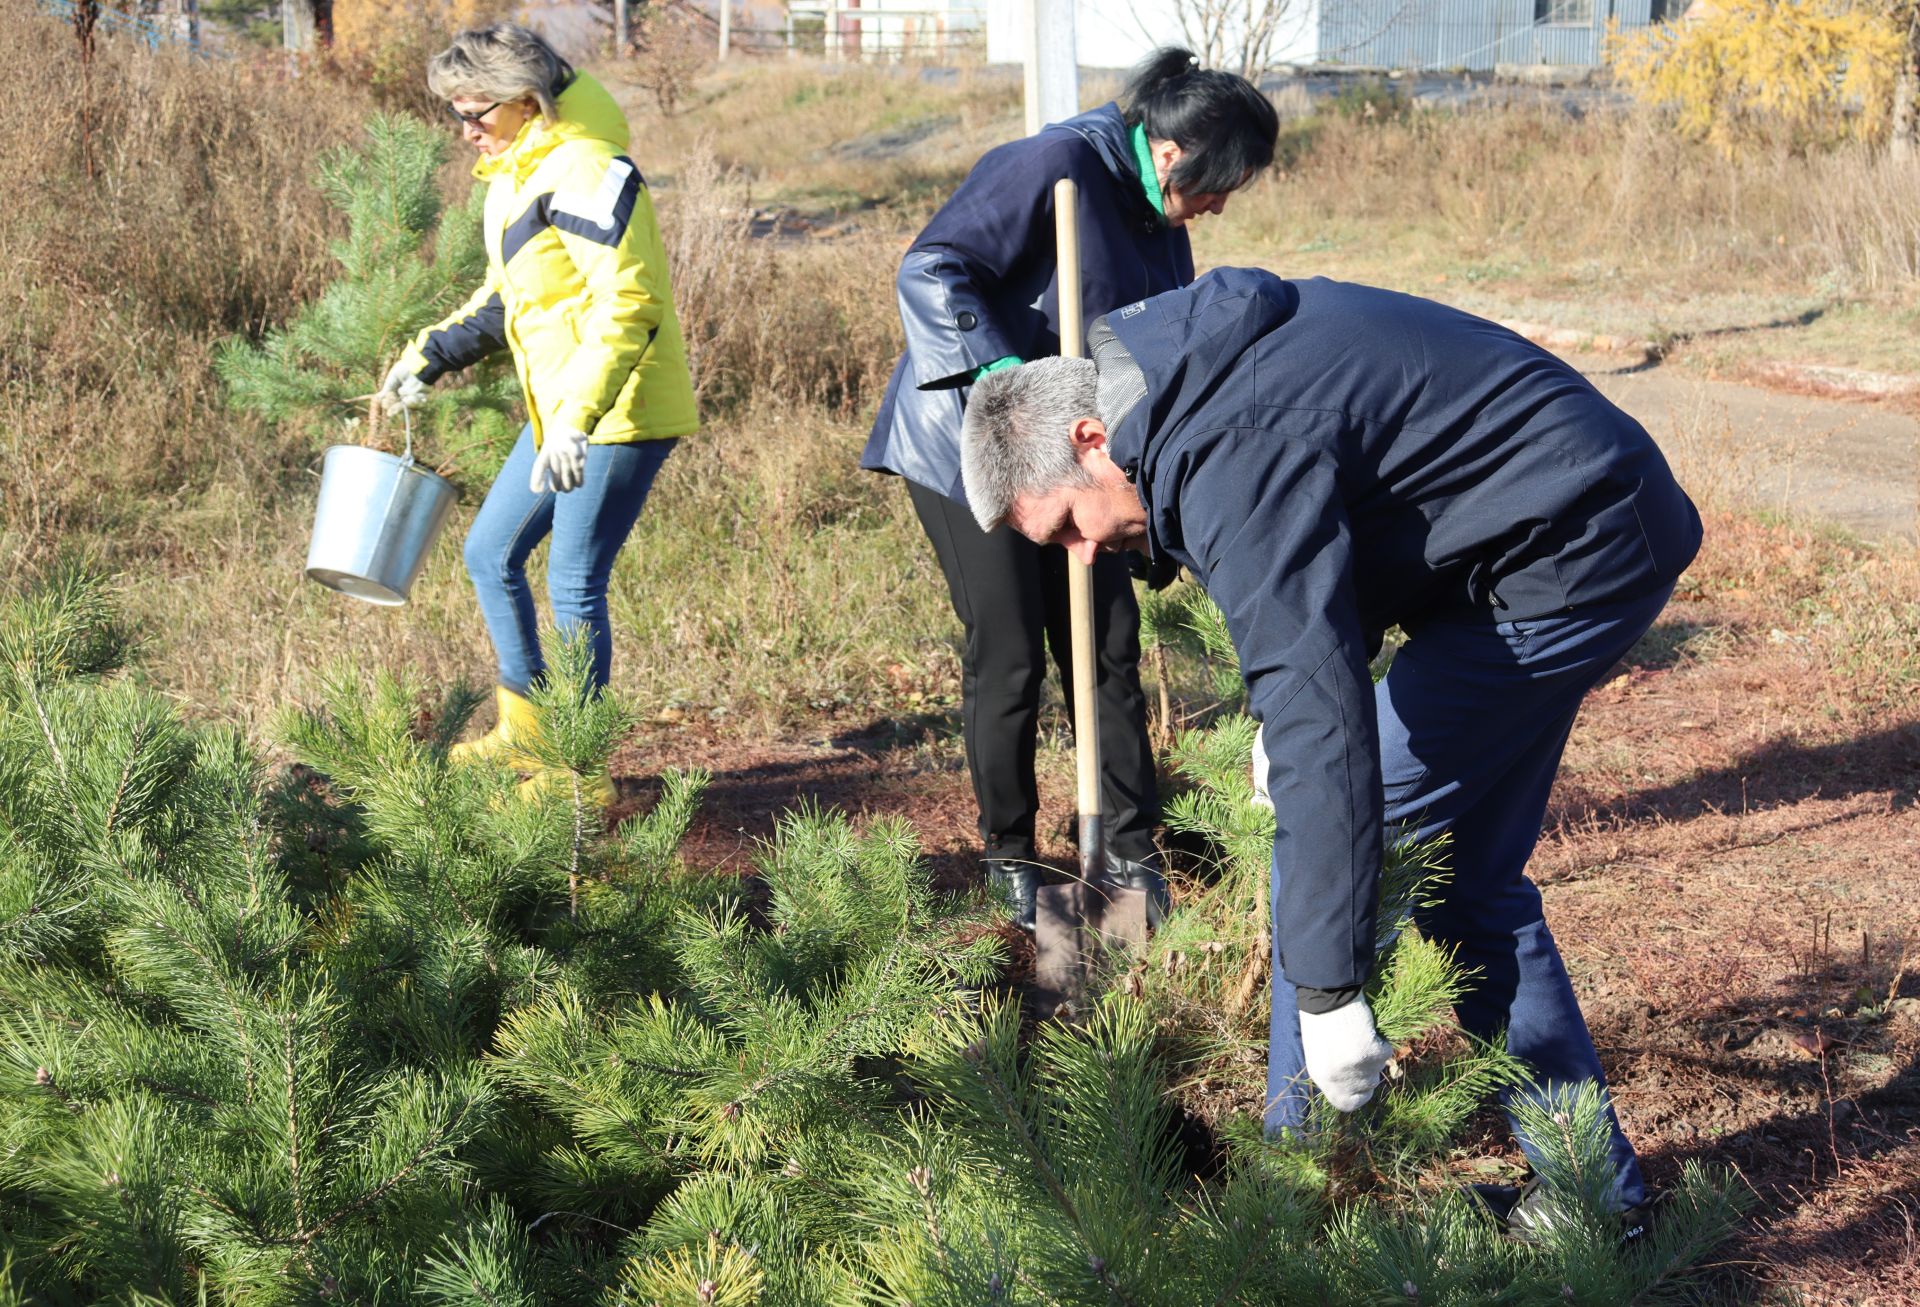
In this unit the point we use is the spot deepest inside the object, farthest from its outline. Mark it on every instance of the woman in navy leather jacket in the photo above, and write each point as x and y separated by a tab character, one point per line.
978	290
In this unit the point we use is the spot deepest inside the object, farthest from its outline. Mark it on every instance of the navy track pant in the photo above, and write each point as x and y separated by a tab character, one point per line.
1474	715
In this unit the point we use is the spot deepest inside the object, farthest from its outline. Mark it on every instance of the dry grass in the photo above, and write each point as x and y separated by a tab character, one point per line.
845	137
811	322
199	220
1606	223
1532	183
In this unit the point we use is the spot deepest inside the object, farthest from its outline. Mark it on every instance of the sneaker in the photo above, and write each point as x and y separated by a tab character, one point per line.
1526	1213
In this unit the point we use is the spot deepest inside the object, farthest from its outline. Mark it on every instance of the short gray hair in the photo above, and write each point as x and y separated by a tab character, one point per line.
504	62
1017	436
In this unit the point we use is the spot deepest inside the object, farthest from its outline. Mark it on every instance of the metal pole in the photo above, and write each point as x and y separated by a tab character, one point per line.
726	26
622	29
1053	71
296	24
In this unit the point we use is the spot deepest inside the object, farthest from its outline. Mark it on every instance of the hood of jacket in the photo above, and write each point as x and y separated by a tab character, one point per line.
588	112
1163	360
1107	131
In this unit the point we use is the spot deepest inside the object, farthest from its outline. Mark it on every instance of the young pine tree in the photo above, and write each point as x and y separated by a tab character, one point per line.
388	1031
404	264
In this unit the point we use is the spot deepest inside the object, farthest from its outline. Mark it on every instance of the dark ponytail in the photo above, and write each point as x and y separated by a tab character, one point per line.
1224	126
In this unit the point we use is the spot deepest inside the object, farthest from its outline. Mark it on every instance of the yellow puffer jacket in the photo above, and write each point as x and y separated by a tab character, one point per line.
576	285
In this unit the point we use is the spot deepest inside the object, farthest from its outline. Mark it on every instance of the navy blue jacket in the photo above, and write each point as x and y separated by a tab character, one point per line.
980	284
1329	460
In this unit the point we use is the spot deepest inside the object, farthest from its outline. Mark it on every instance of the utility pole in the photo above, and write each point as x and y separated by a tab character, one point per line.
1053	70
297	26
622	29
726	26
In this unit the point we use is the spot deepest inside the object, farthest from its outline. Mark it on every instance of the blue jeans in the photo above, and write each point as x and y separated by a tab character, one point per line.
589	524
1474	714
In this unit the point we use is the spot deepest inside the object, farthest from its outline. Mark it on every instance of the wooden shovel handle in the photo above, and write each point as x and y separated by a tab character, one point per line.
1086	711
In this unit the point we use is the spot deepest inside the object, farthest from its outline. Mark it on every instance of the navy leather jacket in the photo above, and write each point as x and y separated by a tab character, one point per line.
979	284
1329	460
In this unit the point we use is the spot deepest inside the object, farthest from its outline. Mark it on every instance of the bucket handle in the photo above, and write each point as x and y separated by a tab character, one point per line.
373	427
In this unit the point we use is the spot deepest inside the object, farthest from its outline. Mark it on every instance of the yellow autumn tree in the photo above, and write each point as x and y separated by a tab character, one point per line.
1738	70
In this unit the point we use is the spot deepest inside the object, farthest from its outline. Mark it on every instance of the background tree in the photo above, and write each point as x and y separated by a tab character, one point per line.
1236	35
1802	71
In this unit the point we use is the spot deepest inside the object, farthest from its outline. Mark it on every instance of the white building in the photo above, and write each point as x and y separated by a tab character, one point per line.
1119	33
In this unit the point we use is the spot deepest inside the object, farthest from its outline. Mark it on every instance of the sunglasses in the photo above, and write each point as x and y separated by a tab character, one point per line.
474	119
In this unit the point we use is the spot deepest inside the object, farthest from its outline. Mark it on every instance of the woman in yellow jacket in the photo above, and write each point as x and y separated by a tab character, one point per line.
577	289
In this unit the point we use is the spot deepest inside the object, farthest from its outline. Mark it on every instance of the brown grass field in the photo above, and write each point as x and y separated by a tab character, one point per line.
1731	854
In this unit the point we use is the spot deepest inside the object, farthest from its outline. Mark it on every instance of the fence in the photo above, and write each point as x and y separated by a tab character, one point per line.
950	33
150	32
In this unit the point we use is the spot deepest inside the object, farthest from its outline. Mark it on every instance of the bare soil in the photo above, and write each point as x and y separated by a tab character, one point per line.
1731	863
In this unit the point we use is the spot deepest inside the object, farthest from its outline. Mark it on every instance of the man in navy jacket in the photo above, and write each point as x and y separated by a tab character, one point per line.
1328	461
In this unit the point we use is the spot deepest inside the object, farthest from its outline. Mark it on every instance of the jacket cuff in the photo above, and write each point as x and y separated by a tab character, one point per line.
1319	1002
421	366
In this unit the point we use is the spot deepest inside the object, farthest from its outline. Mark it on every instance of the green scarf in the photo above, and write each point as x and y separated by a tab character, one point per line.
1143	156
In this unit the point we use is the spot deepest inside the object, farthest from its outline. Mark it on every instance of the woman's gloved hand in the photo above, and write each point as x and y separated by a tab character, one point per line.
402	389
561	464
1345	1054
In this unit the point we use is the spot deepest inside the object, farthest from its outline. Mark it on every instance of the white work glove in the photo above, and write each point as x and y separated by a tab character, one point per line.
402	389
561	463
1345	1054
1260	796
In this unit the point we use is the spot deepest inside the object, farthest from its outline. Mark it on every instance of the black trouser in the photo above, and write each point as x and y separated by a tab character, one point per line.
1011	595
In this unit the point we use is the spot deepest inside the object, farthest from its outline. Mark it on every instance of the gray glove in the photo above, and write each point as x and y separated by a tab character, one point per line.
1345	1054
561	463
402	389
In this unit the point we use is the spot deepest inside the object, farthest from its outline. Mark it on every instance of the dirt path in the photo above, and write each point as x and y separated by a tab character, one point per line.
1854	463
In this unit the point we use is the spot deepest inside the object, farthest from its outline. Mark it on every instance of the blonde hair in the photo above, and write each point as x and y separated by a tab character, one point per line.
503	62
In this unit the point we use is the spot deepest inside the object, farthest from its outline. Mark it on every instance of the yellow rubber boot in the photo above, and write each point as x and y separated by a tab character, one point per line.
595	791
519	725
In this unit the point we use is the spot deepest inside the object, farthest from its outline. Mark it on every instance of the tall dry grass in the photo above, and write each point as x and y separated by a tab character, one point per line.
816	135
1529	182
809	321
198	219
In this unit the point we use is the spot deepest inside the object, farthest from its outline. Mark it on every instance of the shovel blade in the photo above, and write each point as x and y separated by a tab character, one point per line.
1073	924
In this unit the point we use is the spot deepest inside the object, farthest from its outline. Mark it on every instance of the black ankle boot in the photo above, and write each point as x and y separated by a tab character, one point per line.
1146	876
1015	884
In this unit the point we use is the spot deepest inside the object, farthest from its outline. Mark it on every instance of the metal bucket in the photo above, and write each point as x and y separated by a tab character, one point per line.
377	518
